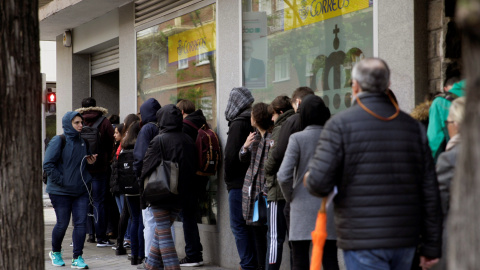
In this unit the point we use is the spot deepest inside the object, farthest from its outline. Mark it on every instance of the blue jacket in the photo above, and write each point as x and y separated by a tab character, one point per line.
148	111
63	167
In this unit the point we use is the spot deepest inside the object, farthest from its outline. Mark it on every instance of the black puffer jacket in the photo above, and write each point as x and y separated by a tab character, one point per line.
238	131
177	146
387	188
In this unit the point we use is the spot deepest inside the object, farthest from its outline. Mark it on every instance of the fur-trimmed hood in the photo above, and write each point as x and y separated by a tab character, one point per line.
420	112
98	109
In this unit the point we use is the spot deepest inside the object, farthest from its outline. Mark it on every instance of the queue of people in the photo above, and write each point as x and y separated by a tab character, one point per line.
280	161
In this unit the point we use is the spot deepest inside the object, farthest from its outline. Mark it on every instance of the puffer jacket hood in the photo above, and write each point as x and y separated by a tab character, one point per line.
240	99
68	129
170	119
149	109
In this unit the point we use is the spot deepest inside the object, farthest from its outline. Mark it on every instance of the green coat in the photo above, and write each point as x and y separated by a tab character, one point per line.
438	114
274	192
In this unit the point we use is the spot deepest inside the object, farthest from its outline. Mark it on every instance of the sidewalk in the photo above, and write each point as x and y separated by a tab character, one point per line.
96	258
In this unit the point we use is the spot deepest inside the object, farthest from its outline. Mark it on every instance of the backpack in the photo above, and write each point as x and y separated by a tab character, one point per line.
64	141
92	135
208	149
127	180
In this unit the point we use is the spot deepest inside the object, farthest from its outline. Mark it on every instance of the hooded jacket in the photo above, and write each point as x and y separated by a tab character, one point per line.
198	119
149	130
438	113
174	145
238	131
237	113
90	116
65	168
274	192
387	187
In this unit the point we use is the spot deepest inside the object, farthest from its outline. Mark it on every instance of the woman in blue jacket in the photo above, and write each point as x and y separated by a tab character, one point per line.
65	163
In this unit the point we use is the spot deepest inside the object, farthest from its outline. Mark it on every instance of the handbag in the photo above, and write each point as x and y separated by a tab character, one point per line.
162	182
260	209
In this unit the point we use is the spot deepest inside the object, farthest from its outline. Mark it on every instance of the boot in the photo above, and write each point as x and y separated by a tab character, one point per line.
136	260
119	249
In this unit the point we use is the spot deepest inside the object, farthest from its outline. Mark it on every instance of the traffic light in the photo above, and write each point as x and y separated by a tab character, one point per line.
51	98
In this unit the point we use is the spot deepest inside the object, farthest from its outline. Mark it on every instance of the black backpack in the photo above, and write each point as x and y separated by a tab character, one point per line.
64	141
127	181
92	135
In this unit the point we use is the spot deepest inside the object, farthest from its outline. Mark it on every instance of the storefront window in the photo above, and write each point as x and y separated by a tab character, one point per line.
315	43
176	60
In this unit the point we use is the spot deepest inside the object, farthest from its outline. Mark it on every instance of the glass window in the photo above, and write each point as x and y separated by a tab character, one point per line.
176	60
293	43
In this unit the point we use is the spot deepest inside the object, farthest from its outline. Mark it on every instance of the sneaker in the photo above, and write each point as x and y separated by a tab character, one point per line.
105	243
79	263
56	258
126	244
141	266
71	244
191	262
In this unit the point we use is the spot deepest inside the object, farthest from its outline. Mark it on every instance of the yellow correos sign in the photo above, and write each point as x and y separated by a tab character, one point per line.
191	43
305	12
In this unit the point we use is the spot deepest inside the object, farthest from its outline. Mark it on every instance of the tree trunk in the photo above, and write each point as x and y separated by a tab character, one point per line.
464	215
21	209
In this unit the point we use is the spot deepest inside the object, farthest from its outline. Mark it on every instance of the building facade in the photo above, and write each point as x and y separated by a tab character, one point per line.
122	52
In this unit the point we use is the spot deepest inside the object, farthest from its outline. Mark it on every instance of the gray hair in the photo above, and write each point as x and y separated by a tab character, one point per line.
372	74
457	110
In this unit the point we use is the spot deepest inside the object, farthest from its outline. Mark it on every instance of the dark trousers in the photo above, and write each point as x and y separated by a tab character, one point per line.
136	228
301	255
123	223
99	187
190	208
260	236
277	230
66	207
243	233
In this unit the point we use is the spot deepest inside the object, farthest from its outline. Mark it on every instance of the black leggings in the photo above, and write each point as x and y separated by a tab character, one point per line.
260	235
301	255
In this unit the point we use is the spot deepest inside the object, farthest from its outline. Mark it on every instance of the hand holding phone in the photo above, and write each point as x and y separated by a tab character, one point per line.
92	158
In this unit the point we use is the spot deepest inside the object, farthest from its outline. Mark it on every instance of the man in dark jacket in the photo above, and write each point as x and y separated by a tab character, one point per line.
378	158
192	121
149	130
100	171
238	115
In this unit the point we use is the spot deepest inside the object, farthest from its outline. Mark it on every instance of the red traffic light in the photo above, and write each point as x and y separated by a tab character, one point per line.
51	98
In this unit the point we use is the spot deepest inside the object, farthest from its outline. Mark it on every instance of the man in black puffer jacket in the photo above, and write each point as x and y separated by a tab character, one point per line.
378	158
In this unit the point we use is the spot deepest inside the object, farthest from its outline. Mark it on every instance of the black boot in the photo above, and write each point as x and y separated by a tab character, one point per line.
136	260
119	249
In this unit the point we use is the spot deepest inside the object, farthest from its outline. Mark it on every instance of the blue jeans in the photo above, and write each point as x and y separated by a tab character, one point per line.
99	187
66	206
381	259
244	238
136	229
120	204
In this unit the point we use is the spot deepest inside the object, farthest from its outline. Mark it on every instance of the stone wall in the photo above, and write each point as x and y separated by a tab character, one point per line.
444	49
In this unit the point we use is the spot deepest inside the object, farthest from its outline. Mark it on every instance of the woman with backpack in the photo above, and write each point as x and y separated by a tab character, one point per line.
65	163
129	186
173	145
255	151
303	205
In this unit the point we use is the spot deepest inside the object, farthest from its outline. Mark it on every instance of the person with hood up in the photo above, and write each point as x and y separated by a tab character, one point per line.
438	113
192	121
174	145
149	130
303	205
238	115
65	163
100	171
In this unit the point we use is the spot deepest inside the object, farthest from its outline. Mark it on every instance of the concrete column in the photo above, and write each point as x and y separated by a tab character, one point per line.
402	43
127	41
229	66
